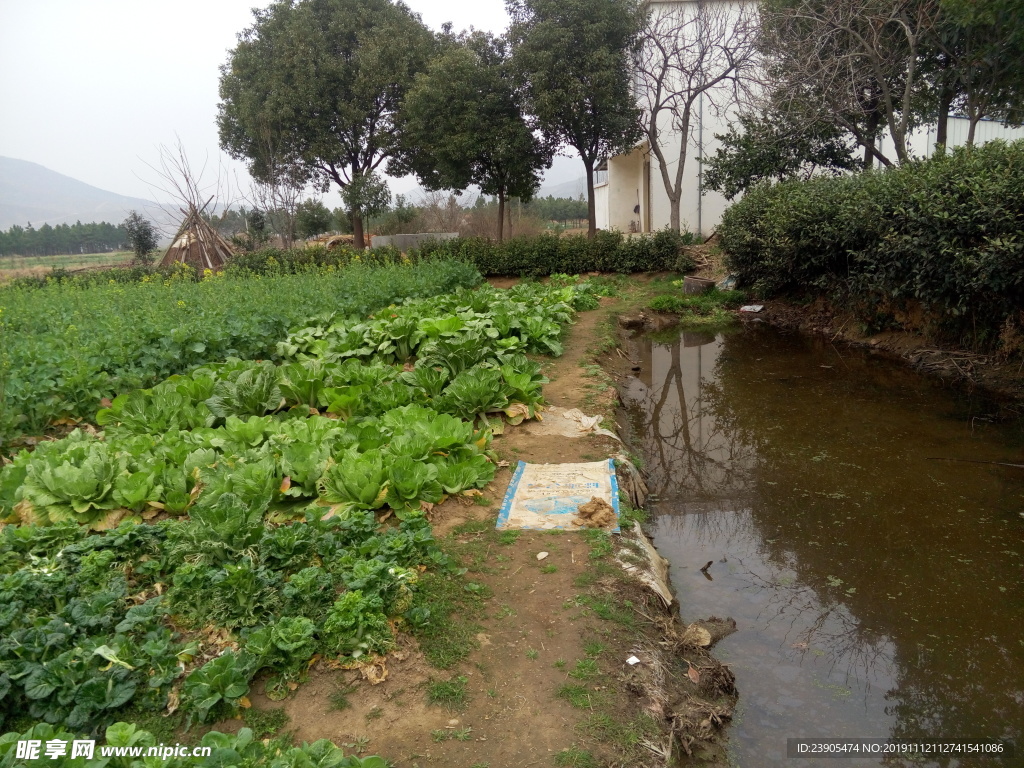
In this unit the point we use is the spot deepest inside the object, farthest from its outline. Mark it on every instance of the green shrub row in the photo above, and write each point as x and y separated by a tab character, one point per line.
945	233
576	254
266	261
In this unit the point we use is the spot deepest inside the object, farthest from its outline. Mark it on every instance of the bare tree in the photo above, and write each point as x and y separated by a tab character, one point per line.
852	64
278	183
185	185
691	53
442	212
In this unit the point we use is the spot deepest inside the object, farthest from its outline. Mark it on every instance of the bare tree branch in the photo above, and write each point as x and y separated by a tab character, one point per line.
853	64
691	52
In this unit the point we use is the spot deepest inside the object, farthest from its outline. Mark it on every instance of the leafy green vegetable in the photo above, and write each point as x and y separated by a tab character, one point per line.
358	480
225	679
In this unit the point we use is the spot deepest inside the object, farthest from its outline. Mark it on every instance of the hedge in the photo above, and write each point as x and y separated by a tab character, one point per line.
574	254
266	261
945	233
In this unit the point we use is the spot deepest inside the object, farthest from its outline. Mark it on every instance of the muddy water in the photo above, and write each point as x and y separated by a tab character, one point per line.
878	592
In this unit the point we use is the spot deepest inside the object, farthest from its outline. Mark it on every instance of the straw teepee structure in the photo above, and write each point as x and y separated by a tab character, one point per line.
197	243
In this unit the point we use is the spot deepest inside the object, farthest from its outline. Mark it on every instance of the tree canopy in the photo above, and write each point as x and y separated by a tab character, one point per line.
142	236
574	57
317	85
464	124
873	66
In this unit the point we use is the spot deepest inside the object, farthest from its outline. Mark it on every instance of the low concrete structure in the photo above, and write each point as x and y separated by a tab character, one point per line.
405	242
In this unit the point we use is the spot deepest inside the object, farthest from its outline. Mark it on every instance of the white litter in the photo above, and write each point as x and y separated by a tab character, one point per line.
568	423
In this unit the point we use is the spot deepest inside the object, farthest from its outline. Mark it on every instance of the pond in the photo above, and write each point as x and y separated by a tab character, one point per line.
876	584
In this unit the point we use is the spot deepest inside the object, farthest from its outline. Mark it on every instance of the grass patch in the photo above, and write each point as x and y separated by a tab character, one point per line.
629	514
579	696
608	610
450	693
626	736
532	654
586	669
706	309
445	610
265	722
508	538
456	734
574	757
549	569
473	526
339	698
593	648
600	542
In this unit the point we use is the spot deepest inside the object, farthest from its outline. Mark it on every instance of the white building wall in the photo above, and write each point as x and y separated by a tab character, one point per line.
701	210
922	142
601	205
698	212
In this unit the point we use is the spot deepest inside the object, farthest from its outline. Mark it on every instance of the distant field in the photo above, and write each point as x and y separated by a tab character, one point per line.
19	266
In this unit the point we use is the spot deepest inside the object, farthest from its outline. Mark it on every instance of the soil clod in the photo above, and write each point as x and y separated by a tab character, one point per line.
596	513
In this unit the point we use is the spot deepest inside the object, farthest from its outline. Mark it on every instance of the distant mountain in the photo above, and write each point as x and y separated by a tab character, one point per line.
571	189
31	193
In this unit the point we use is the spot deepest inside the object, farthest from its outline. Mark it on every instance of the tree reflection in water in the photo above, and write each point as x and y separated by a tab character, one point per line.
851	558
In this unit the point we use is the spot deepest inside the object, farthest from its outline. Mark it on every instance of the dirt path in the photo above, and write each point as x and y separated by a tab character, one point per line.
532	660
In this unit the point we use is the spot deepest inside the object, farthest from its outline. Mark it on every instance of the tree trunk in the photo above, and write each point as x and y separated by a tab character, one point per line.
357	229
588	163
975	119
945	102
501	214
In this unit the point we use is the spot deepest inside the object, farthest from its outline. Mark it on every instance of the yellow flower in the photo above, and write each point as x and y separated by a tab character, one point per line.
181	304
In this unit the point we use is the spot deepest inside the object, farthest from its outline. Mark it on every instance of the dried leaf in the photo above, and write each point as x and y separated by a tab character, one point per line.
110	520
286	484
693	674
244	702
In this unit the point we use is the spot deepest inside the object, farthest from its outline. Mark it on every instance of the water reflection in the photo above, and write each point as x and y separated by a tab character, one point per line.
688	451
878	593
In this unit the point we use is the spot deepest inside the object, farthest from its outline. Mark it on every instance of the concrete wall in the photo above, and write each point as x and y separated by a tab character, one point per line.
601	205
405	242
627	191
921	142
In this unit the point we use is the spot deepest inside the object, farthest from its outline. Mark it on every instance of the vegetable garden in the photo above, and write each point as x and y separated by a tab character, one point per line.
223	523
63	347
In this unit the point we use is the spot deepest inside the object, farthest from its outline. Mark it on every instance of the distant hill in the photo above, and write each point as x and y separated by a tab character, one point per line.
31	193
571	189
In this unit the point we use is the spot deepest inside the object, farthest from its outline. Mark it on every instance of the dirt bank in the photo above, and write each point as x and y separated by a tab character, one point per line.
530	665
1001	378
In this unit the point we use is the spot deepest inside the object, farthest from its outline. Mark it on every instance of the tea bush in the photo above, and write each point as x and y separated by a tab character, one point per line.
549	254
947	233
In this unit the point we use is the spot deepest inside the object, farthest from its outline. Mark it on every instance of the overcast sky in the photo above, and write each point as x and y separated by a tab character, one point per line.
92	88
